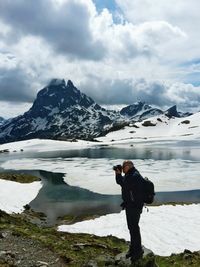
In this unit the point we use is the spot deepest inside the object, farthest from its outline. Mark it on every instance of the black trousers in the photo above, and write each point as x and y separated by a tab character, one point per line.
133	217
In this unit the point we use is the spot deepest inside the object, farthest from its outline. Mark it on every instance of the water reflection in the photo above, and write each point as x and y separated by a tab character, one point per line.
177	150
56	198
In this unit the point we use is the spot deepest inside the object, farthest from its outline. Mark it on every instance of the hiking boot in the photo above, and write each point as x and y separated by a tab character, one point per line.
129	254
136	257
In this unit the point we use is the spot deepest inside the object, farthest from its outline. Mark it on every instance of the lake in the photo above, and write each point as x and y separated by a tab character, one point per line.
81	182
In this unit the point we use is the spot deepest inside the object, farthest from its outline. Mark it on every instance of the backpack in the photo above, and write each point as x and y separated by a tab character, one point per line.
148	193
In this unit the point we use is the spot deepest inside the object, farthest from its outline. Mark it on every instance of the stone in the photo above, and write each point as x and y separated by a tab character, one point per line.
148	260
41	264
91	263
3	234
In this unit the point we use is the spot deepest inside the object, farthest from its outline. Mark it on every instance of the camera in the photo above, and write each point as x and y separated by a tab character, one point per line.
117	167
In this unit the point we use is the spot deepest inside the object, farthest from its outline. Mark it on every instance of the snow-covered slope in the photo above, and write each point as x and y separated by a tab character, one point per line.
158	127
13	195
165	229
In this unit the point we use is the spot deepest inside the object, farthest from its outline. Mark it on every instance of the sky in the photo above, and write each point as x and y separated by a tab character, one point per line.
115	51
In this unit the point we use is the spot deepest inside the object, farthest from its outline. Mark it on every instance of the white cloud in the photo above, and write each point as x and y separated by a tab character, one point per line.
121	63
13	109
182	14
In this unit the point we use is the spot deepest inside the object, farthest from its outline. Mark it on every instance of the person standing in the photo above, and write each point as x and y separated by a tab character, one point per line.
132	194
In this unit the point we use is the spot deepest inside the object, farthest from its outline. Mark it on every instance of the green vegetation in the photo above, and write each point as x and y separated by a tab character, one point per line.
19	177
71	219
75	249
79	249
184	259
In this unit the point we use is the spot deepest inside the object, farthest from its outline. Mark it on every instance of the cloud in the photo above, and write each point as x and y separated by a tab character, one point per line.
66	26
74	28
184	15
15	85
116	62
161	94
13	109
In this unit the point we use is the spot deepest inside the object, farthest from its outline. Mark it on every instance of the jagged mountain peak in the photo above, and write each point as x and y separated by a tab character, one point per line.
134	108
172	112
70	83
2	120
60	96
60	111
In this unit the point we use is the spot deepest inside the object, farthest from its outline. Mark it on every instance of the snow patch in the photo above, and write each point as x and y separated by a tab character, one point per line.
164	229
13	195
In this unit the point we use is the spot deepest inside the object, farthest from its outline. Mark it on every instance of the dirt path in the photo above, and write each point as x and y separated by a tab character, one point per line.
24	252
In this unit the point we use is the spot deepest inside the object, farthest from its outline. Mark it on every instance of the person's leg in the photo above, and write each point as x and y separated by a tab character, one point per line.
133	217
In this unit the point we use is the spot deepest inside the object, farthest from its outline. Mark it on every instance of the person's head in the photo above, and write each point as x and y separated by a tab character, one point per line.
127	165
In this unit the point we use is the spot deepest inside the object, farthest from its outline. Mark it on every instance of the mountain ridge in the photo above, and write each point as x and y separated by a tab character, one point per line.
61	111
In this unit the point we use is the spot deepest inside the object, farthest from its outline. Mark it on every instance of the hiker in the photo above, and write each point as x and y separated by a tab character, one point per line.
132	195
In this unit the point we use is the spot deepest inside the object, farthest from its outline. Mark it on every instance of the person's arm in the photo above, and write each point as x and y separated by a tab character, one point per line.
119	178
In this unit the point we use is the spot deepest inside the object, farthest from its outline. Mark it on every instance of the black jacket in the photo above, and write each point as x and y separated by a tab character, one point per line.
132	188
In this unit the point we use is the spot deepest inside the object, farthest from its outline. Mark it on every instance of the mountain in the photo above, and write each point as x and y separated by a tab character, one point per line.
172	112
60	111
140	111
2	120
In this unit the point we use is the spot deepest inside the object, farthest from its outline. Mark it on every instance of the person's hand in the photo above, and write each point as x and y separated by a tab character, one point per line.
117	171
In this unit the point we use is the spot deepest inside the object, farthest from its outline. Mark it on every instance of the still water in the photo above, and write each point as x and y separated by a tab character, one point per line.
57	198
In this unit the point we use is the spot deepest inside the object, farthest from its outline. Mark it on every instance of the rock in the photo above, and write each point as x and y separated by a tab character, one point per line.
148	123
185	122
148	260
105	260
187	251
7	257
27	207
3	234
187	256
91	263
41	264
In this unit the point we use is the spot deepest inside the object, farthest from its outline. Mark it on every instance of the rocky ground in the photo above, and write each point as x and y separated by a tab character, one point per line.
23	244
16	250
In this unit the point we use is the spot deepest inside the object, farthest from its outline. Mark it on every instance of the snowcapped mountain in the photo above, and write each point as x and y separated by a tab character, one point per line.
60	111
160	127
140	111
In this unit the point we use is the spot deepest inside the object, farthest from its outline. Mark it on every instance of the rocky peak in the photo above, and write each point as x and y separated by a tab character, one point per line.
2	120
70	83
172	112
133	109
58	96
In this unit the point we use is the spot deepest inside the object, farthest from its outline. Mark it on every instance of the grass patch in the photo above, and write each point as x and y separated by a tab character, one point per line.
20	178
75	249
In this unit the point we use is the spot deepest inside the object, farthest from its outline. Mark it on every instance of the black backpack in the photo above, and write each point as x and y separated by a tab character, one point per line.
148	193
